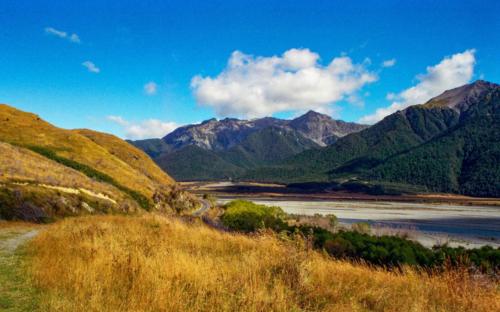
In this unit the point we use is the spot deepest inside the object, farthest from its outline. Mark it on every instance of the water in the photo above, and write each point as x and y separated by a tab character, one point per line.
469	226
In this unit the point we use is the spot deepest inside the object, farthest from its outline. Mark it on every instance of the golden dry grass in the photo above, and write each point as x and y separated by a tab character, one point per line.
51	186
19	164
152	263
21	128
129	154
17	225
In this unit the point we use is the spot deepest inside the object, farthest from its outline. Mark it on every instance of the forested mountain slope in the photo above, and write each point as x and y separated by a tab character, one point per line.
449	144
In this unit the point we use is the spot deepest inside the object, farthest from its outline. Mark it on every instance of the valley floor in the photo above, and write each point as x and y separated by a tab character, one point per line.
429	224
280	191
430	219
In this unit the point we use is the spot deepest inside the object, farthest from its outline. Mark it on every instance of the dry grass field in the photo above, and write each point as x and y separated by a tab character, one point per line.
153	263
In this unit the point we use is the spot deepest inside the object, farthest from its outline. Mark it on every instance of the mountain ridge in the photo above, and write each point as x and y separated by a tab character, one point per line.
241	144
433	145
223	134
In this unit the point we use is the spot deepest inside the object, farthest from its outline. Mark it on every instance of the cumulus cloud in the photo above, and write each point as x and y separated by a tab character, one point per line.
389	63
253	86
91	67
151	88
451	72
151	128
62	34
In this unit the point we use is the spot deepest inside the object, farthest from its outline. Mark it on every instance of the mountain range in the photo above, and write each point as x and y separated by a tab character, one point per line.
219	149
449	144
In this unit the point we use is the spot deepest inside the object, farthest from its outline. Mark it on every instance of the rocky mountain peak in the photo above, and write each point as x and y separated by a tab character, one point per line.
314	115
461	98
223	134
322	129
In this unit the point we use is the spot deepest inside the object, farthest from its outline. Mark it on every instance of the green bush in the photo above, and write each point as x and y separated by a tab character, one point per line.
358	245
393	251
247	217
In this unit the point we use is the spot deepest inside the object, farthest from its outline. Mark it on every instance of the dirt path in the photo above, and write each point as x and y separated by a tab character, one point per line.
16	291
8	246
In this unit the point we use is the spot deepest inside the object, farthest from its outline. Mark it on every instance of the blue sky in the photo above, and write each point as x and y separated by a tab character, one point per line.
129	67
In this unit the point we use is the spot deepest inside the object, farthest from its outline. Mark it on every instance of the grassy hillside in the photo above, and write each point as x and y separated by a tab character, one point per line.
48	172
129	154
35	188
26	129
107	264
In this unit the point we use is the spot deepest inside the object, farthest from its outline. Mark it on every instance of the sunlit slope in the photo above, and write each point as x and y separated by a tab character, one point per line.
35	188
150	263
128	153
28	130
20	166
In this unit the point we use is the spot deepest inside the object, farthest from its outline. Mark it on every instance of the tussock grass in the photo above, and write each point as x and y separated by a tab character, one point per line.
152	263
104	153
20	164
53	188
129	154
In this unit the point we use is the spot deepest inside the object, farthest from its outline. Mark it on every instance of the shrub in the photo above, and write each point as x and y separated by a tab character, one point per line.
385	251
393	251
247	217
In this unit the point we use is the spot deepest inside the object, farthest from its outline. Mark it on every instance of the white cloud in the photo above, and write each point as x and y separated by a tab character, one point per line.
252	86
151	88
62	34
389	63
151	128
91	67
451	72
119	120
74	38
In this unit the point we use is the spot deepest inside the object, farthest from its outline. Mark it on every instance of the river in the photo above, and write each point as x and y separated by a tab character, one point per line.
430	224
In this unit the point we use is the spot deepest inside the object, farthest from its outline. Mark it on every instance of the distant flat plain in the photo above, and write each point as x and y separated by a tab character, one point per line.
431	220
